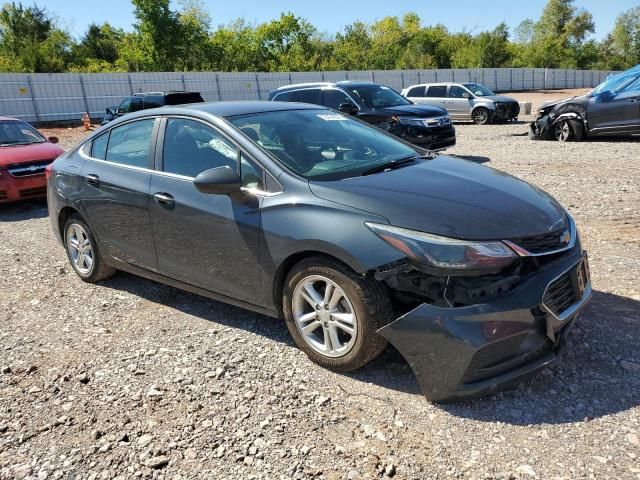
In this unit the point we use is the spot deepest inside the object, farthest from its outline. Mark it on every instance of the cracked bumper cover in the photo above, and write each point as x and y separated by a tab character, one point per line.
470	351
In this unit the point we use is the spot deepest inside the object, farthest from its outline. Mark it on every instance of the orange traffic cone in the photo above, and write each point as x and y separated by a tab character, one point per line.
86	121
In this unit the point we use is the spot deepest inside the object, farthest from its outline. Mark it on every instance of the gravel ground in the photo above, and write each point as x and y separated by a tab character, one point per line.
133	379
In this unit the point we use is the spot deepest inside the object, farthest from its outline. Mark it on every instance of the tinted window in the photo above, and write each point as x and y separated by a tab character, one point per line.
251	173
416	92
284	97
438	91
136	104
191	147
125	106
130	144
186	97
322	144
153	101
457	92
309	96
99	146
333	98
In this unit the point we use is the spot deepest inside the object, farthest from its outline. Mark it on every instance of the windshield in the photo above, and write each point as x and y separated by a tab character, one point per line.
321	144
14	132
478	90
619	83
377	96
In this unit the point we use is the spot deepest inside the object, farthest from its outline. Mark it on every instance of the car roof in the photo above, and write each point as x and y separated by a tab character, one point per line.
341	83
5	119
171	92
224	109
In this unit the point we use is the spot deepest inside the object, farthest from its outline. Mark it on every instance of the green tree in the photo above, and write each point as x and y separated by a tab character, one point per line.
625	38
158	32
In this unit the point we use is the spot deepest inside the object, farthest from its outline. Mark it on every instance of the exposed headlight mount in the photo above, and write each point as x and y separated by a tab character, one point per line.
443	252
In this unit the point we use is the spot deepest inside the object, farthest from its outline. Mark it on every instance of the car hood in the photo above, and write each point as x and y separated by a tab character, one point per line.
450	197
413	111
28	153
499	98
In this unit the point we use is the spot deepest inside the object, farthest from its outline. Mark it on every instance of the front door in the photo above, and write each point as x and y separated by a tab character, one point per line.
209	241
115	192
458	105
608	114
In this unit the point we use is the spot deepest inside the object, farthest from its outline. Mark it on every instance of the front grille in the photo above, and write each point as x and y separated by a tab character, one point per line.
567	290
28	169
542	243
33	192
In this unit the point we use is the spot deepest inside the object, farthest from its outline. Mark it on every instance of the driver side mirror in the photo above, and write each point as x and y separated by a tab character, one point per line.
218	181
466	95
348	108
604	96
53	139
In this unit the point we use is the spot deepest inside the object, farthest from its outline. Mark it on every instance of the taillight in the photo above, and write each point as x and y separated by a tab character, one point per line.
47	170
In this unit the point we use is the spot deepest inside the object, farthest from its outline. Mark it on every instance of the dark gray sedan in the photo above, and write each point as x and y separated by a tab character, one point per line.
352	235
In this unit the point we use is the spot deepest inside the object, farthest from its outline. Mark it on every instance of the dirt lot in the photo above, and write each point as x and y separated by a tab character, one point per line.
133	379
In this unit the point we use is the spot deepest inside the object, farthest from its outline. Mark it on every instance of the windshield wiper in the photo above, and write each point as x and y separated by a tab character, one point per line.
390	165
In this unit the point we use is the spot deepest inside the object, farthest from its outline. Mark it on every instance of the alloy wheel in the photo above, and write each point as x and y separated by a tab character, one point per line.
481	117
324	316
79	248
562	131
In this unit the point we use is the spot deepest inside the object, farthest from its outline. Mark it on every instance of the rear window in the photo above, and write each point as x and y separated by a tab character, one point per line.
439	91
309	96
180	98
284	97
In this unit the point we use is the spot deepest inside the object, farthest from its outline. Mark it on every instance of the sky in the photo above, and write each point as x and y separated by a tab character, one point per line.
332	15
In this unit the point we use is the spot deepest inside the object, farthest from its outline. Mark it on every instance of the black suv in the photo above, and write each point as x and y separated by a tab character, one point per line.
426	126
143	101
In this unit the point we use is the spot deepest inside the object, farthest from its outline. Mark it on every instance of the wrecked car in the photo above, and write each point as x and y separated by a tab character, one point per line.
353	236
612	108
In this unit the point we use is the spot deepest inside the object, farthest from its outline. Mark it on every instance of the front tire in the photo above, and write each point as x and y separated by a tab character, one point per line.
563	131
481	116
82	251
333	314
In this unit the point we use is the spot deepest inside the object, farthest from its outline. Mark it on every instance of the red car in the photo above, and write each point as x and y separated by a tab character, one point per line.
24	155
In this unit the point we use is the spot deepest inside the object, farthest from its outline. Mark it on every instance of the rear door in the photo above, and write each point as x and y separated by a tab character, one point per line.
209	241
309	95
115	191
458	106
416	94
436	95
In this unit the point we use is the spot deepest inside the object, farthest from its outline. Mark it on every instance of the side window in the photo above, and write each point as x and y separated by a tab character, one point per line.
457	92
152	101
125	106
251	173
333	98
99	146
130	144
191	147
416	92
437	91
284	97
309	96
136	104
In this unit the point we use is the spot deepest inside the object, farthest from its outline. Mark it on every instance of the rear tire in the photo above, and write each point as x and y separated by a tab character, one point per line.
333	314
82	251
481	116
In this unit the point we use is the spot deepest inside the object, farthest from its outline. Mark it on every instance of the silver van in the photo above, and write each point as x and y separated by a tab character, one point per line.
465	101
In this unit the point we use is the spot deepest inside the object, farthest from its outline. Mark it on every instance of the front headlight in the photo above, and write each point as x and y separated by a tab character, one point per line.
443	252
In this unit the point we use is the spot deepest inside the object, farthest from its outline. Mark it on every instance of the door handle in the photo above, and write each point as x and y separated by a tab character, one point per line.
93	179
164	199
633	100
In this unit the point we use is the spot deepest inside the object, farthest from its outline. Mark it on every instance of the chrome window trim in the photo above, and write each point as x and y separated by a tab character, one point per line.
321	88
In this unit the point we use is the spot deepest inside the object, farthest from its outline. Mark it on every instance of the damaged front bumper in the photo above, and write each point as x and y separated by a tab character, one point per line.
469	351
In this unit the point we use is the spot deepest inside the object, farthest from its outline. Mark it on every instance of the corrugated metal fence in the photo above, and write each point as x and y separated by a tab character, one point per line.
44	97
